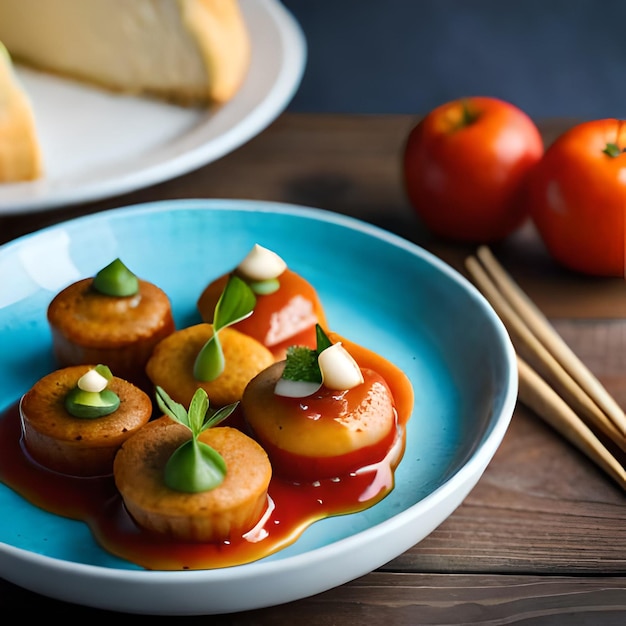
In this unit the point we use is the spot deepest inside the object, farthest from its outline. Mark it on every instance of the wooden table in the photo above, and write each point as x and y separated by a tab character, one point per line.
542	538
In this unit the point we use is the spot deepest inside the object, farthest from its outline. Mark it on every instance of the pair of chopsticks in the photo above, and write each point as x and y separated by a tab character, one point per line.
553	381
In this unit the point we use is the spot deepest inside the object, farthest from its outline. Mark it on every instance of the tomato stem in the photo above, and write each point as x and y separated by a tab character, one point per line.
613	150
469	115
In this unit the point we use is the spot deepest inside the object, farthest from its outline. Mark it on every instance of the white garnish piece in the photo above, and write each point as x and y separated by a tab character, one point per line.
339	369
92	381
295	388
261	264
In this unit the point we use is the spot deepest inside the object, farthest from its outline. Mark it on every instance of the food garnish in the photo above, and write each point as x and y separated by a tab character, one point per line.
116	280
306	370
91	398
339	369
194	466
261	269
236	302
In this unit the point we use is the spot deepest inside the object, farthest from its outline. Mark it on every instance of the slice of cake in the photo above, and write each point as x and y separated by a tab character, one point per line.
20	154
185	51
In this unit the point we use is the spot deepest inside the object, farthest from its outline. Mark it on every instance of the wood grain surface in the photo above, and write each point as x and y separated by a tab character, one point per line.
542	538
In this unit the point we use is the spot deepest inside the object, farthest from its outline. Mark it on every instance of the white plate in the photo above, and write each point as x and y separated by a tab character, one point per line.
377	289
97	144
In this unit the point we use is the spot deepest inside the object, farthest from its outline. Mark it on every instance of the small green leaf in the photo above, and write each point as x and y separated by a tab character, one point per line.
171	408
116	280
236	302
210	362
194	467
198	408
322	339
104	371
219	416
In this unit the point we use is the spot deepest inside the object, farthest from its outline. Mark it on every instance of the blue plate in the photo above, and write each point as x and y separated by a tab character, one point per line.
378	290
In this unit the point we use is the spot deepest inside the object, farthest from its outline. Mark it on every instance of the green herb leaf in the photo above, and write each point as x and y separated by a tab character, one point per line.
210	362
219	416
194	466
171	408
321	339
301	365
198	409
116	280
236	302
104	371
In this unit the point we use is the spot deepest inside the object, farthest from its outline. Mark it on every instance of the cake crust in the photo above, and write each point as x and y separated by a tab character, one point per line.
76	446
220	514
172	363
120	332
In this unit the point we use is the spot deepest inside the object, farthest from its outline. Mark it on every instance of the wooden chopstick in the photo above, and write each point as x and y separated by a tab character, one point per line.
535	352
537	395
563	411
545	332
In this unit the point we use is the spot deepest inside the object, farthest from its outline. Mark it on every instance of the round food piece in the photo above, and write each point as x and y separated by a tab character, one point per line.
220	514
284	318
72	445
90	327
324	435
171	365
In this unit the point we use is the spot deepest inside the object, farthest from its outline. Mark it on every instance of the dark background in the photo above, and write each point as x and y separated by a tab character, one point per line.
552	58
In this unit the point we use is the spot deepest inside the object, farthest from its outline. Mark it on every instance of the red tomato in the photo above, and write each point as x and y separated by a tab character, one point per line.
577	197
465	166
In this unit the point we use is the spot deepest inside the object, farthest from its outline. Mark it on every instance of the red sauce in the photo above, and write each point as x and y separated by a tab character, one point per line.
293	508
281	319
97	502
309	438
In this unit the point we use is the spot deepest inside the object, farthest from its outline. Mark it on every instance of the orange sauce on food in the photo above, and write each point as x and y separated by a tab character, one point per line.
324	434
281	319
292	507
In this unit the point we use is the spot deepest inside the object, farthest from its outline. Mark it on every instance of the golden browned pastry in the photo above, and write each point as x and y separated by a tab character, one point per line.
186	51
77	445
171	365
89	326
225	512
20	153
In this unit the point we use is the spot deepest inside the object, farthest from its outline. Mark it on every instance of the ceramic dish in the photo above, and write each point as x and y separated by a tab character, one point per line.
97	144
378	289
